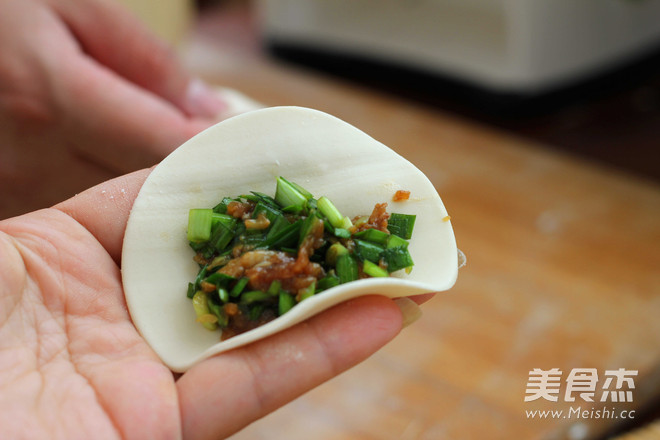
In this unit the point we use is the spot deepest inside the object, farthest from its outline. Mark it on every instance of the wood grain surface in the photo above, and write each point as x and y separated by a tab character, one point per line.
562	271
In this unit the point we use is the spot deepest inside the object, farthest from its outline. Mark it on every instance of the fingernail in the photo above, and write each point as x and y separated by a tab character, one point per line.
410	311
202	101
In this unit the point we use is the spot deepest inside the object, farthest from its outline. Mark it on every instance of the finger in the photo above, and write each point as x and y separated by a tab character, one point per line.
116	123
421	299
103	210
111	35
223	394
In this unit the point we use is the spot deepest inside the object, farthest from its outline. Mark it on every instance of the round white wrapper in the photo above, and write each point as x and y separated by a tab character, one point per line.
247	153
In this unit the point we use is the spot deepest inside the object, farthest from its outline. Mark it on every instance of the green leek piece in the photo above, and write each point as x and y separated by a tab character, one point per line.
373	235
368	251
255	312
337	232
199	225
401	225
225	219
218	311
200	276
327	282
334	251
221	208
277	225
330	211
200	304
222	236
286	237
308	225
271	213
220	260
396	241
286	302
308	195
307	292
288	197
198	247
219	279
346	223
347	268
342	233
373	270
274	288
397	258
191	290
238	287
266	199
254	296
223	294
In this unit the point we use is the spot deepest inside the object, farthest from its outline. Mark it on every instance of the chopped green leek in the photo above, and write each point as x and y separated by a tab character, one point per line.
200	276
287	196
286	303
266	199
396	241
221	207
342	233
223	294
347	268
219	279
368	251
255	311
373	270
308	225
218	311
330	211
397	258
238	287
327	282
200	305
340	254
275	288
307	292
199	224
222	236
401	225
286	237
308	195
225	219
271	213
254	296
373	235
334	251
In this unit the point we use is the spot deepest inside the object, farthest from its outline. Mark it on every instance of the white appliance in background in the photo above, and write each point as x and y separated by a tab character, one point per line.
518	46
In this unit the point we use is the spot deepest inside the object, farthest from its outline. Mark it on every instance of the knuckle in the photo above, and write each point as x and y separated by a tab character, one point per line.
24	97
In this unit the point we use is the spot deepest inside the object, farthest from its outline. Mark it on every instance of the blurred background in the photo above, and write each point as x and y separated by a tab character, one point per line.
538	121
539	124
584	78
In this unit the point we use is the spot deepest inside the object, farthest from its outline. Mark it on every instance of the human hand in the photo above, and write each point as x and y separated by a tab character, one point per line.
73	366
81	80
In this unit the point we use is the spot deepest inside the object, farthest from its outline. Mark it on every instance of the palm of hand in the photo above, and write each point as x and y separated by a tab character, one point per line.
72	365
68	350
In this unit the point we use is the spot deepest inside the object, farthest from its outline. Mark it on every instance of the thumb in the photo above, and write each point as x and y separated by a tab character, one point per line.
115	38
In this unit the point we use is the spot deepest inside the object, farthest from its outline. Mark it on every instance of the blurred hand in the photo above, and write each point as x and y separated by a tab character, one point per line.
73	366
83	80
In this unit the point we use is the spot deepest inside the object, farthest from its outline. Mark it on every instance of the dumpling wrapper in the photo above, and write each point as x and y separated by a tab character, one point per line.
247	153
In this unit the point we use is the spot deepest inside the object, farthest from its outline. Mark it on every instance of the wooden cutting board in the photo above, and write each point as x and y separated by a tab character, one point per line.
563	272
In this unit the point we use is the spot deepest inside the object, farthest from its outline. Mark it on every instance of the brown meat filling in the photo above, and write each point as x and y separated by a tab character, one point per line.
377	219
262	267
